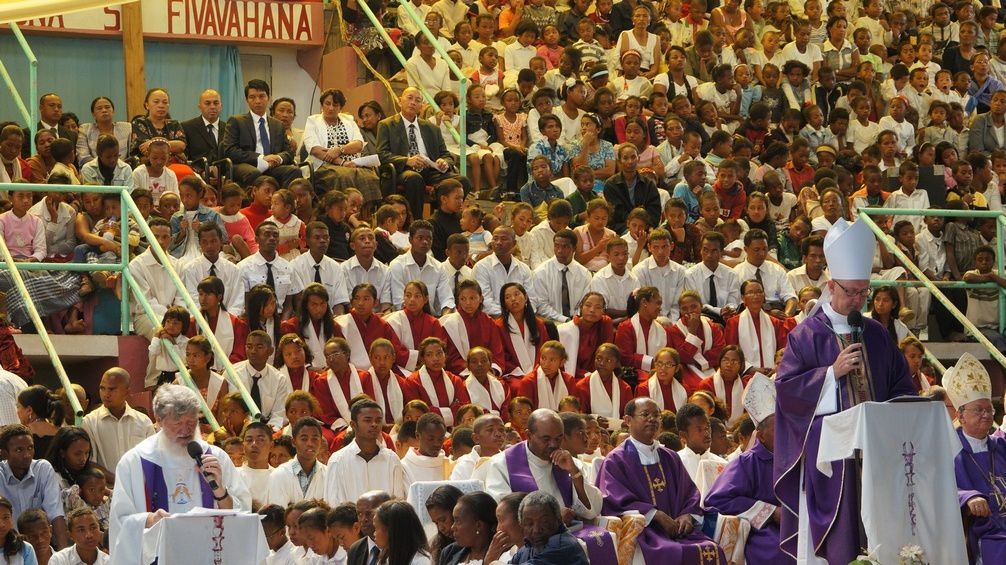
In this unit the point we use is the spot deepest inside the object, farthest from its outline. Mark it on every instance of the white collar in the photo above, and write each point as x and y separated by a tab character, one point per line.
214	124
256	118
534	459
643	448
839	322
47	126
977	445
407	122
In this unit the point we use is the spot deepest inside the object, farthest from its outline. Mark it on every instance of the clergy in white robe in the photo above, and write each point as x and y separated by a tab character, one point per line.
365	464
530	464
427	462
303	477
158	477
489	433
703	465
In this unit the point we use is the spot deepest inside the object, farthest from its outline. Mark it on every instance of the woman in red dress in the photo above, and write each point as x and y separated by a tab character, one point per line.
581	335
521	331
470	326
313	323
440	389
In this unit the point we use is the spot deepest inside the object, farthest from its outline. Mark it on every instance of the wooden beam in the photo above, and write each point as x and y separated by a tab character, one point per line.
132	55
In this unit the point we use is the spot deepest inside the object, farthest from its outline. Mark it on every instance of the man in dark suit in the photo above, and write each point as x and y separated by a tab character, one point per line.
256	143
50	110
416	149
364	551
204	132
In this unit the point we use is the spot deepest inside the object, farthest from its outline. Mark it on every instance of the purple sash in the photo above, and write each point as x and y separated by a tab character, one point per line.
600	546
156	489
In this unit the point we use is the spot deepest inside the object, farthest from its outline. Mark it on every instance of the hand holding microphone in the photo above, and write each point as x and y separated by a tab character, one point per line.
209	466
851	358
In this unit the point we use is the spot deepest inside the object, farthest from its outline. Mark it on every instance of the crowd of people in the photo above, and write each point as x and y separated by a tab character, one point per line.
666	175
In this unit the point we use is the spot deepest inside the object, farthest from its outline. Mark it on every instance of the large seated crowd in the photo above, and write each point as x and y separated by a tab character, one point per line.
664	177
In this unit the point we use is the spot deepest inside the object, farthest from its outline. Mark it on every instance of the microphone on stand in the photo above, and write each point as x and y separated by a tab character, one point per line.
196	452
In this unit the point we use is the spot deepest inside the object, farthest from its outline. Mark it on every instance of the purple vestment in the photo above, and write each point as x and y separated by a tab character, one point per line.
833	502
623	482
744	483
973	471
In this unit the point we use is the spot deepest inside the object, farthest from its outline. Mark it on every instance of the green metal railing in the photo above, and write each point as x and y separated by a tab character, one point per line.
935	286
129	287
30	116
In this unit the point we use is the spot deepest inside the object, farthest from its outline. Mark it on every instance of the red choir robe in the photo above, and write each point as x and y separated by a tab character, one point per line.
392	394
466	332
639	340
495	397
669	396
12	358
758	349
442	391
232	336
301	378
335	393
543	391
412	328
581	343
596	396
361	333
520	354
730	393
700	354
313	335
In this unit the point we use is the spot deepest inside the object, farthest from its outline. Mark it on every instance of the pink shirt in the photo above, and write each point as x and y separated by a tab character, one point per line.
238	224
25	236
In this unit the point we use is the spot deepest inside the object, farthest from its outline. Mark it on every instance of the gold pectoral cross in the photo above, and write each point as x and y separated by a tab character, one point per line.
658	484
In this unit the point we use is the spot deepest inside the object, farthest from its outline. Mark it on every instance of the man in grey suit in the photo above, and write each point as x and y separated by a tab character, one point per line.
416	149
988	131
204	133
256	143
50	110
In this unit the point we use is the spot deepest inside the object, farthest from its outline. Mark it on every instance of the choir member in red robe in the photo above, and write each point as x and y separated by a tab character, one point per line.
664	384
336	387
603	392
415	322
581	335
313	323
521	331
547	384
641	336
230	331
441	390
11	357
361	327
470	326
391	391
758	334
728	382
697	339
292	358
484	388
301	404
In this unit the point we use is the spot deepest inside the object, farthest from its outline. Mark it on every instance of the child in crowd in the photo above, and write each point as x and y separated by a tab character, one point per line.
91	492
291	229
154	175
240	235
479	240
174	327
982	310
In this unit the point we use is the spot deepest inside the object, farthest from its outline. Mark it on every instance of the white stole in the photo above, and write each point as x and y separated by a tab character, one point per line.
395	397
488	399
648	346
340	400
549	396
602	404
359	355
701	363
677	391
224	333
758	353
456	330
569	337
399	322
522	346
736	394
216	383
316	343
431	392
305	383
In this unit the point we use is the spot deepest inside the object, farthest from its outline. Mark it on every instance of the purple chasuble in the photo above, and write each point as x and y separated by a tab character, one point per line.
600	548
833	502
157	490
986	535
627	484
745	482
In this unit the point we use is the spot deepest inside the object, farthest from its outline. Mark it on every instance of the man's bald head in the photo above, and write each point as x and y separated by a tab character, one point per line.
366	505
484	421
210	105
117	375
504	241
542	416
411	101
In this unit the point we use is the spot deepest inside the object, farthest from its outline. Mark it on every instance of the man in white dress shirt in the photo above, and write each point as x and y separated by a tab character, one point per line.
558	284
419	265
365	465
658	270
211	263
716	283
615	281
560	213
115	427
257	441
780	299
812	272
500	268
268	268
267	386
316	267
363	267
153	281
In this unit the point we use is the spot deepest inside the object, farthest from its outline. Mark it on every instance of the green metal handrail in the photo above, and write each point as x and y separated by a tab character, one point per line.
909	265
30	116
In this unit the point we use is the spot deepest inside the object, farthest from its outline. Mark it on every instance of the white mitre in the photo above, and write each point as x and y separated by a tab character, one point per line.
967	382
849	249
759	398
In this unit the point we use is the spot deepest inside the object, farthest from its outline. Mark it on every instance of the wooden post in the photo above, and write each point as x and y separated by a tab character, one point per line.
132	56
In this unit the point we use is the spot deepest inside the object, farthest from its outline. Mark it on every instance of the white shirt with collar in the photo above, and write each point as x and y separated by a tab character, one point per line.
351	475
541	246
773	278
112	437
465	270
253	272
285	555
615	288
153	281
404	269
262	165
284	484
194	271
728	286
377	275
798	278
273	387
669	280
932	252
216	127
331	276
419	135
498	482
546	288
492	275
69	556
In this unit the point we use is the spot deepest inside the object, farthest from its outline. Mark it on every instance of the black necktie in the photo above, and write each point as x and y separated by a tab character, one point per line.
268	276
374	552
758	276
712	291
565	293
457	279
317	274
264	135
213	136
213	269
256	392
413	143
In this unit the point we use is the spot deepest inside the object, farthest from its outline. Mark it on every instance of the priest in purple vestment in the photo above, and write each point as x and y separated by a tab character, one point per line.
641	476
744	488
823	372
980	467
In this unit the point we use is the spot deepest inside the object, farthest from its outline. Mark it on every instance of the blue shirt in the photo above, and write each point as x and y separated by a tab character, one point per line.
535	195
682	191
749	96
557	156
39	488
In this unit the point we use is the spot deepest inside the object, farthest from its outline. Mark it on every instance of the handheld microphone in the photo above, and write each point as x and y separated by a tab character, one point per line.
196	452
855	320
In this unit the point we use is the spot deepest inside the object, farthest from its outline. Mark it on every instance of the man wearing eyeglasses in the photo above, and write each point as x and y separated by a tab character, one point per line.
823	372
